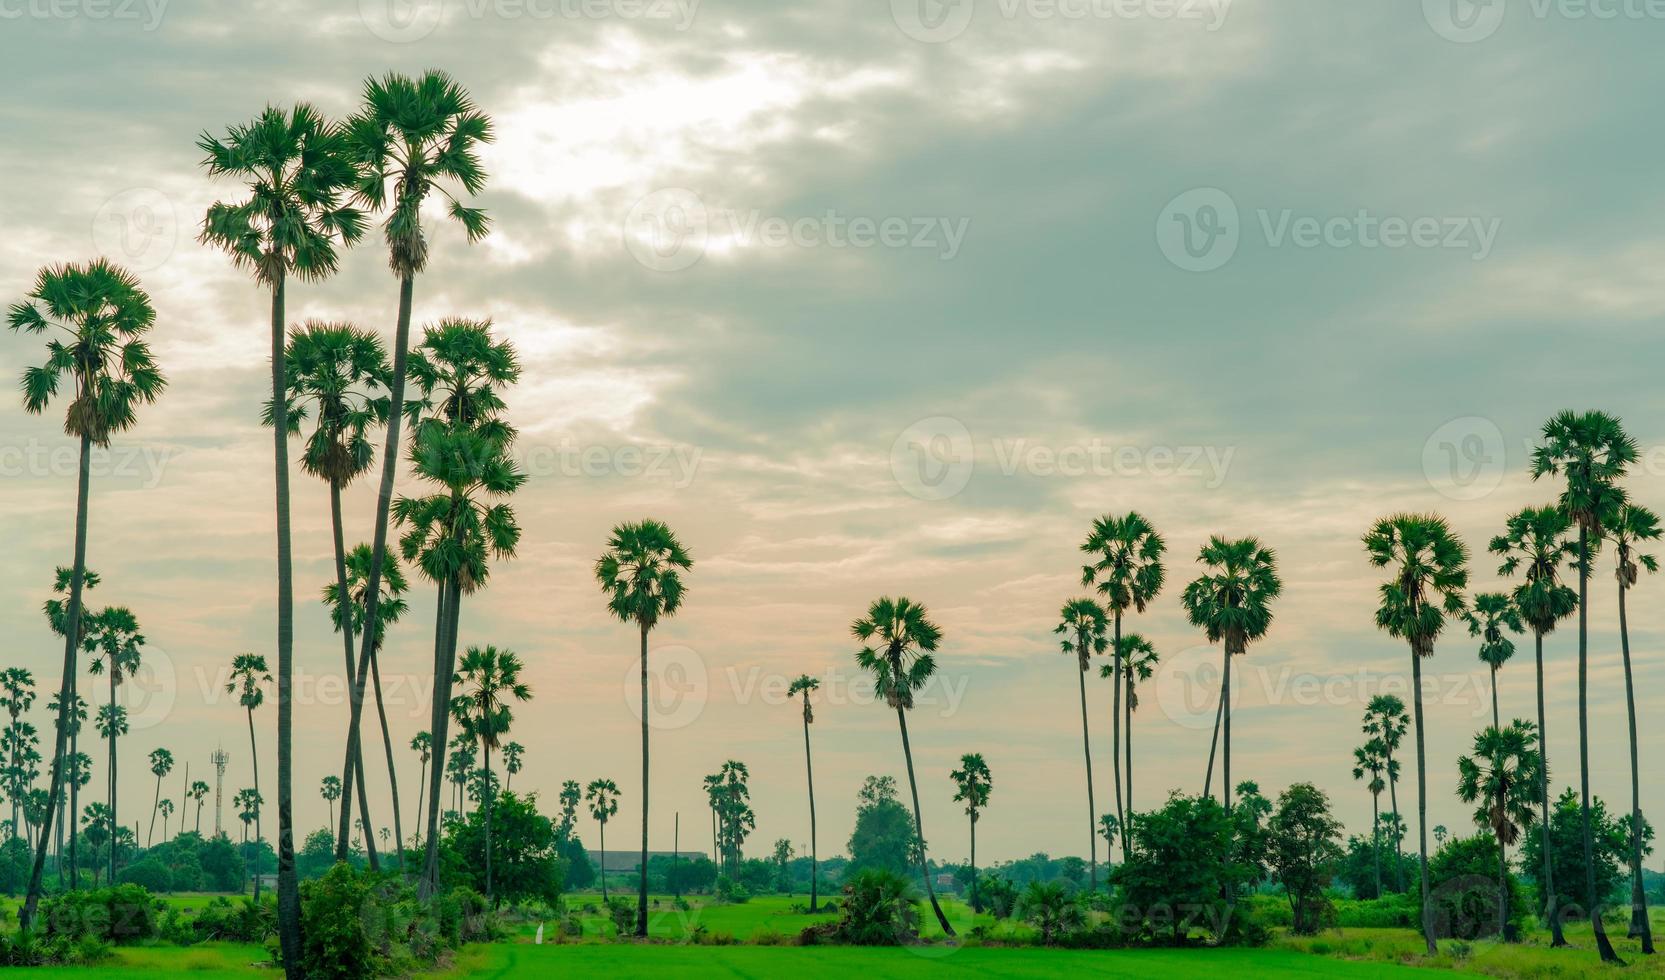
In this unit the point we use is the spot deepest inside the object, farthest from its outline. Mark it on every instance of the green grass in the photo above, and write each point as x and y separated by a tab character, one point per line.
209	961
764	915
1530	959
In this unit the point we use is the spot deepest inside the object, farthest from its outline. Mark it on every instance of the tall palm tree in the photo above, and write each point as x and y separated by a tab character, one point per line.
297	170
489	677
1137	660
734	804
1499	777
336	373
603	797
248	677
641	574
1493	618
412	138
1633	525
111	724
165	807
1231	601
713	798
1591	452
899	641
1368	763
1386	720
804	686
57	617
198	793
972	783
451	535
113	638
17	695
512	763
422	743
1083	624
161	763
1127	570
1429	566
98	317
392	607
1535	543
330	790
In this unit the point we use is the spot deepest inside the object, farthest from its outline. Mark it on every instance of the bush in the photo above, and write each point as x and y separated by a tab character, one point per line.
334	942
150	874
998	894
1051	909
242	921
623	913
880	908
123	914
731	891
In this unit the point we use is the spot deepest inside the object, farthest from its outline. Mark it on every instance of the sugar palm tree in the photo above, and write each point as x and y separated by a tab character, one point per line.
1535	543
803	687
899	642
76	776
1492	619
512	763
57	617
336	374
165	807
1137	660
1231	602
1429	568
1369	764
423	745
1083	624
641	574
111	724
972	783
98	317
392	607
330	790
161	763
1591	452
96	817
1126	567
489	678
1386	720
297	170
197	794
1499	777
248	679
17	695
412	139
713	796
113	639
603	797
1633	525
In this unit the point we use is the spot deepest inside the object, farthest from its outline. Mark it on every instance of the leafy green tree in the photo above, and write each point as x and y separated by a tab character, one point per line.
1633	525
248	679
972	783
1492	619
1464	892
526	856
803	687
1591	452
1566	851
1051	909
1386	721
116	645
1126	568
489	678
1429	566
603	797
1535	543
98	316
1499	778
782	858
1186	856
161	763
1303	847
883	838
898	644
1231	602
1083	624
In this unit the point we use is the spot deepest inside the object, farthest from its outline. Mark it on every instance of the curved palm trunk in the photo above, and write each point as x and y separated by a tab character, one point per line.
66	688
1116	729
1398	838
919	828
1639	925
1603	945
445	664
1421	802
254	754
421	785
353	777
641	895
74	804
378	552
1092	810
387	748
1213	743
1225	740
155	801
289	896
809	772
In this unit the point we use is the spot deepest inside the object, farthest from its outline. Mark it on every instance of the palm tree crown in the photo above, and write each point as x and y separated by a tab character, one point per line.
489	678
1493	618
337	372
641	572
972	783
1232	600
1083	624
1127	566
1430	571
899	641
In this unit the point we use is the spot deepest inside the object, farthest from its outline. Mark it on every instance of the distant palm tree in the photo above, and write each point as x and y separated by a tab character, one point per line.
166	809
248	675
641	574
734	804
198	793
1386	721
603	797
96	817
161	763
1083	623
57	617
1429	566
1368	762
113	639
296	168
17	695
1535	540
1440	834
1633	525
111	724
804	686
1231	602
1128	572
899	641
1499	777
972	783
512	763
489	678
1493	618
99	317
423	745
713	798
330	789
1591	451
1137	660
410	139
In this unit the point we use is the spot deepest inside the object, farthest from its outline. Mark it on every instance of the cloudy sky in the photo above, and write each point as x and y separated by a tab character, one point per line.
872	298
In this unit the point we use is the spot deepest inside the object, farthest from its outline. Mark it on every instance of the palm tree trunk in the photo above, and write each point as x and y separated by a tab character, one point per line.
1639	925
378	547
603	862
255	755
1127	743
485	790
809	772
974	862
114	823
387	747
1225	733
1376	837
714	855
1604	946
421	785
1092	810
1219	713
157	799
1116	728
445	664
1398	840
66	688
1496	723
1502	890
355	762
1421	801
74	800
642	895
289	896
919	827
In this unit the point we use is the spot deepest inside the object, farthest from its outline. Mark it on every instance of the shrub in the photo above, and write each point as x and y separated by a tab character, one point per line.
150	874
880	908
334	942
123	914
242	921
623	913
1051	909
998	895
731	891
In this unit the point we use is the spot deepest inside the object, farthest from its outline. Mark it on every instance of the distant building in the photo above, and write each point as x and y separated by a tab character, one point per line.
946	882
